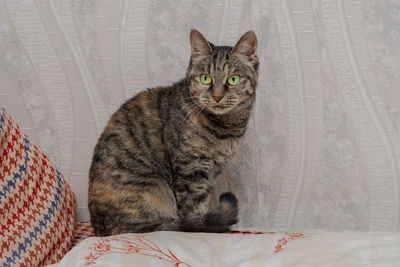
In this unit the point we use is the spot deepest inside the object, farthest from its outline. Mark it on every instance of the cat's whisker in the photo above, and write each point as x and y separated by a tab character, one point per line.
236	111
238	115
200	111
198	107
245	115
241	112
196	114
190	112
188	98
245	109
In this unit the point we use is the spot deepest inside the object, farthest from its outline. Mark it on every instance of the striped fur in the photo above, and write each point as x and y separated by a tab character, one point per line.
156	160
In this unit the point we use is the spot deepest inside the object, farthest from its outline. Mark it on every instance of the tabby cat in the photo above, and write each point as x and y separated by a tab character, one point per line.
157	158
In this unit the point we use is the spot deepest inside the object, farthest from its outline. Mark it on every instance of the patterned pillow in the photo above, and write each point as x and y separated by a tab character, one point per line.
37	206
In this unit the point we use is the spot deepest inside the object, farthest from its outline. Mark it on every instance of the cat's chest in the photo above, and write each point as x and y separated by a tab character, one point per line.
193	147
199	153
201	142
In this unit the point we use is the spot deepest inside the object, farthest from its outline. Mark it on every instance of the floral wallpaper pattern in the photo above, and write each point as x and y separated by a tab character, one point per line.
323	146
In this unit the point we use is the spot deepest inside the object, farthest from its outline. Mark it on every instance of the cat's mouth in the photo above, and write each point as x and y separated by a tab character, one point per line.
219	108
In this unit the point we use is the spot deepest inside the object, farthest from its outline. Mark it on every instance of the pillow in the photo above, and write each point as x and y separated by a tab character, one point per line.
37	206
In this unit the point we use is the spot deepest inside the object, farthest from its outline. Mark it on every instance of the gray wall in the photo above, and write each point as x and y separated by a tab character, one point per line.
323	146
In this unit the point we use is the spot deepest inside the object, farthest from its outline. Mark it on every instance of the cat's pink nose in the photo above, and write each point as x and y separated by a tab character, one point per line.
217	98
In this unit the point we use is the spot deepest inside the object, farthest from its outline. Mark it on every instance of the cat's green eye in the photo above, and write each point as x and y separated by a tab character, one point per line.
233	79
205	79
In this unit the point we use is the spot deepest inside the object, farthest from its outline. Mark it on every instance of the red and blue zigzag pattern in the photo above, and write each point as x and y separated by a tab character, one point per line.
37	206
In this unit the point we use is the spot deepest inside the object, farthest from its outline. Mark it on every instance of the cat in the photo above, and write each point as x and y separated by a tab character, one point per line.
157	158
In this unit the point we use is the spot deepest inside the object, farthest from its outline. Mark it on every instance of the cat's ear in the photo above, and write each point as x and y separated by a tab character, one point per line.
246	47
199	45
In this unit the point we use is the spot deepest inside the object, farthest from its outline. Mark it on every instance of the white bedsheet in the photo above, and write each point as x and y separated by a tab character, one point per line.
267	249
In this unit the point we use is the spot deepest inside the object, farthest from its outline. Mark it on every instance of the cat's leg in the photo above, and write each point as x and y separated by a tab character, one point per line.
219	220
192	196
192	200
118	208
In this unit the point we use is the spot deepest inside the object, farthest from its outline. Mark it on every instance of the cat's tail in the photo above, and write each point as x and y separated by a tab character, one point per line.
219	220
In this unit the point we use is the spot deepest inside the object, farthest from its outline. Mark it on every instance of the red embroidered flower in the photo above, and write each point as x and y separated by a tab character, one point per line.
138	245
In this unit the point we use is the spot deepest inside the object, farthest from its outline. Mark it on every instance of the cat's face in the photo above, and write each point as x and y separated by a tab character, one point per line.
223	77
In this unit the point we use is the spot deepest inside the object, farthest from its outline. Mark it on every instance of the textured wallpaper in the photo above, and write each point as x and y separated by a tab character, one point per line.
323	146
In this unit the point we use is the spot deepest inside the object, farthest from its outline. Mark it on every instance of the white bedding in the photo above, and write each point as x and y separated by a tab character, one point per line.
267	249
